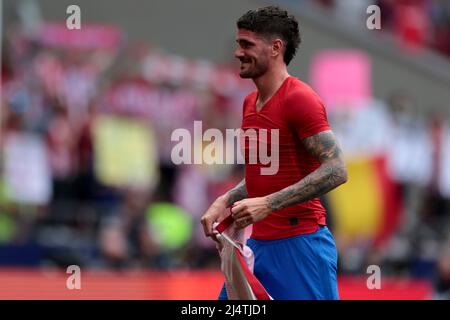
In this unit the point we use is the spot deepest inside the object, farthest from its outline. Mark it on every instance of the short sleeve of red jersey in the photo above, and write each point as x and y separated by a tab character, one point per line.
306	113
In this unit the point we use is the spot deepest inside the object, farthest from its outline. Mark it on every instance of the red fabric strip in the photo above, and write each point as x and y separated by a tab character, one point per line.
256	286
224	224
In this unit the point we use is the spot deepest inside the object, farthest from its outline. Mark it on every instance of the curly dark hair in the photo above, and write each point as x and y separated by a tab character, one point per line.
270	21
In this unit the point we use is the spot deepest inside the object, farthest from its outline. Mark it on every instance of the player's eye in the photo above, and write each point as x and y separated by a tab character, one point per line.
244	44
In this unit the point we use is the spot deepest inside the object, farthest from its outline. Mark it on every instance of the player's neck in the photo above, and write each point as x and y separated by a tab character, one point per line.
269	83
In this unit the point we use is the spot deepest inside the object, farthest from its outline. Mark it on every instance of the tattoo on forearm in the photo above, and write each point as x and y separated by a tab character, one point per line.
329	175
237	193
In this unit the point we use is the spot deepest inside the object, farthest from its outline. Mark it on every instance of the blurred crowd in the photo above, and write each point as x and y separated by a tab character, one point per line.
415	23
87	178
415	146
86	174
410	151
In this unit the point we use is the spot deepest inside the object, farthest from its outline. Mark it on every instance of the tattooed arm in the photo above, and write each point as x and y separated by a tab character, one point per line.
237	193
218	209
331	173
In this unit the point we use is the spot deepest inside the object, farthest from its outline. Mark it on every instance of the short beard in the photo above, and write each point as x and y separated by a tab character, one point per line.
257	72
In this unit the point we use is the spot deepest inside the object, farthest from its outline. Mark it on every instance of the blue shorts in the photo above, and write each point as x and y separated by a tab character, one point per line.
302	267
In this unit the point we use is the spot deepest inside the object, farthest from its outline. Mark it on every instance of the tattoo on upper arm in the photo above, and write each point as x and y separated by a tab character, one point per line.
237	193
329	175
323	146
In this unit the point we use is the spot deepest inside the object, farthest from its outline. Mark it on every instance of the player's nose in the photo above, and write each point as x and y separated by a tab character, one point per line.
238	53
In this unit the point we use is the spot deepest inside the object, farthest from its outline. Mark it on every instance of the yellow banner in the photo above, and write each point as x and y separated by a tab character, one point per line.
357	205
124	152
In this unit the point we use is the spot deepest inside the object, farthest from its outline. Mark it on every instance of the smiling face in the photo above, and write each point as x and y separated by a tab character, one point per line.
254	53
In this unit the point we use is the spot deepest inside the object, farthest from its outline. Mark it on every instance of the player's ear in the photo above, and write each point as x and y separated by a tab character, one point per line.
277	47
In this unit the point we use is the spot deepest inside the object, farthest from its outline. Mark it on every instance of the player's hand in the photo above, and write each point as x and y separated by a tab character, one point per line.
216	212
248	211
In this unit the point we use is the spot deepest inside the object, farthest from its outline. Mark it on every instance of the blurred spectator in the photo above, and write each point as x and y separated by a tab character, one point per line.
442	280
440	17
409	151
125	240
61	144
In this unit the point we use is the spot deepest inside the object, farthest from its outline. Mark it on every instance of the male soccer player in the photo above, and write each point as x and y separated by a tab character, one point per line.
295	253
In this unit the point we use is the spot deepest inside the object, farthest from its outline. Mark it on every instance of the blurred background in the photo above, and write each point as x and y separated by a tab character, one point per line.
86	118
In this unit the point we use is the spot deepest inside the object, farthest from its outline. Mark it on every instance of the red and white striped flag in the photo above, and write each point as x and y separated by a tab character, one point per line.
237	261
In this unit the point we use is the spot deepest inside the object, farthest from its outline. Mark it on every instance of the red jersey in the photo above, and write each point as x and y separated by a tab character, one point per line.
297	112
